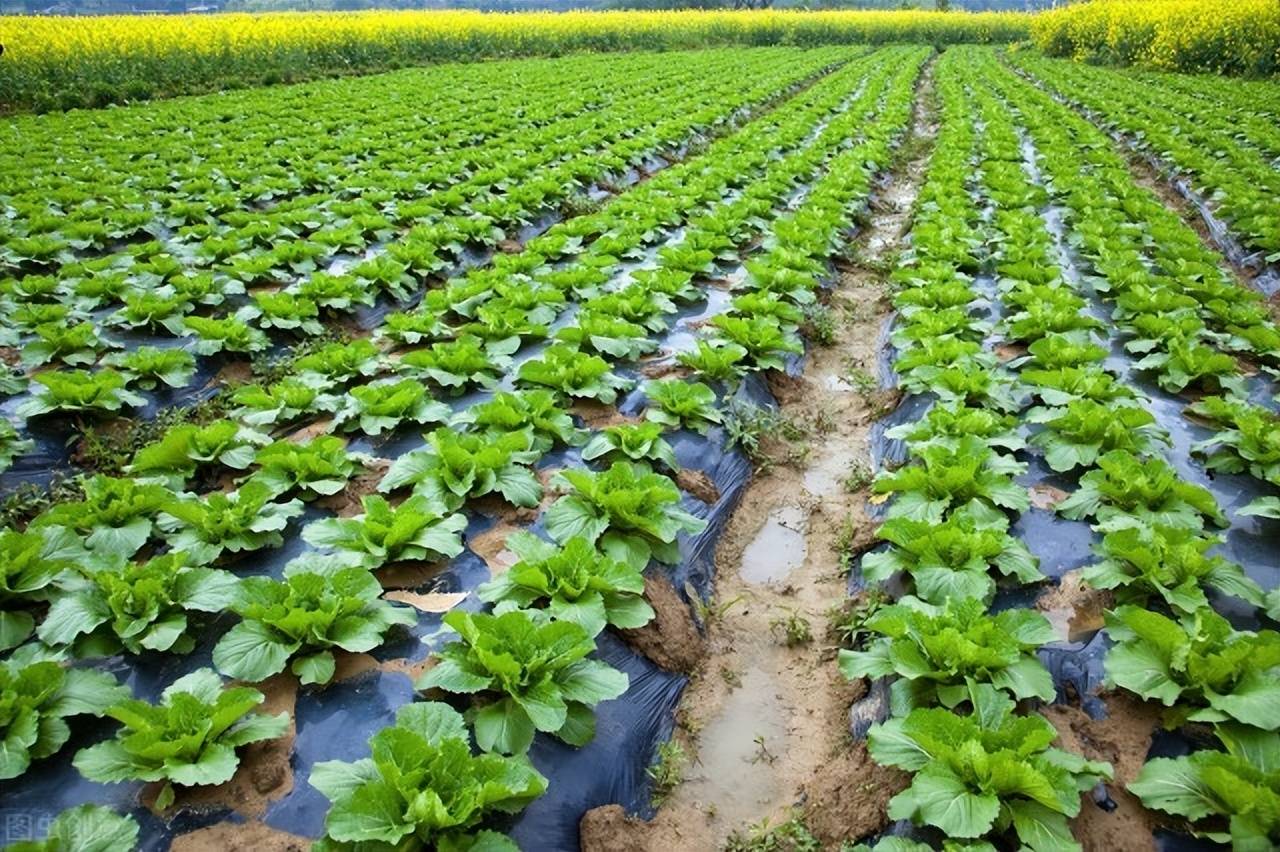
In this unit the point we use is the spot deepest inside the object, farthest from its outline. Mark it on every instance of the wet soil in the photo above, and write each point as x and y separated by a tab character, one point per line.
1122	739
671	640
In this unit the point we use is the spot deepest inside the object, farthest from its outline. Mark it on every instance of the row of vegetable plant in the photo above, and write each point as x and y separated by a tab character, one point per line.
980	770
111	588
948	526
232	300
1170	645
1226	150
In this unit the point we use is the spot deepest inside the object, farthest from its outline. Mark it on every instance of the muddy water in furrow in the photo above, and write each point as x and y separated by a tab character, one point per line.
764	722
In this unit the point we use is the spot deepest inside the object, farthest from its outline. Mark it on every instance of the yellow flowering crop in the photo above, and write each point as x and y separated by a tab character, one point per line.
1214	36
58	61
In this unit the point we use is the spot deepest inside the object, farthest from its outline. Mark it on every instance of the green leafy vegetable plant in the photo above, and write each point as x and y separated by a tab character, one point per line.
722	362
458	364
1125	491
79	390
380	406
575	583
185	448
675	403
630	512
302	618
986	773
949	477
952	558
539	671
190	738
36	699
1201	669
574	373
207	526
283	402
939	653
140	606
1230	797
321	466
421	528
1169	563
421	787
1075	435
634	441
85	828
115	518
454	466
537	411
148	367
30	564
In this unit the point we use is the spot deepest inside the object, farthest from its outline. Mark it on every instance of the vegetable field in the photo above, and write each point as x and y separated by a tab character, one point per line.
790	447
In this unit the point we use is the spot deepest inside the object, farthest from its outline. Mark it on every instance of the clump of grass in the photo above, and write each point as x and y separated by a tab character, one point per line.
860	476
820	324
845	545
790	836
862	381
791	629
711	612
847	620
667	771
109	448
26	501
746	426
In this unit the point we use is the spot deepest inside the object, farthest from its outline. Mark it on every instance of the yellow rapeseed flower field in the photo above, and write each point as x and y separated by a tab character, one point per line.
60	61
1215	36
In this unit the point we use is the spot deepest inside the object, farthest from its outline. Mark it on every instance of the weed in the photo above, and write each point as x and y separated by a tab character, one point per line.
790	836
27	500
824	421
848	620
731	677
268	369
709	613
820	324
846	545
791	629
746	425
860	476
110	448
883	265
798	455
578	205
862	380
763	755
667	771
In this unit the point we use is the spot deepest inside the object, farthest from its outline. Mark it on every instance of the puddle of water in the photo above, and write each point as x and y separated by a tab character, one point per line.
827	476
732	774
830	468
779	548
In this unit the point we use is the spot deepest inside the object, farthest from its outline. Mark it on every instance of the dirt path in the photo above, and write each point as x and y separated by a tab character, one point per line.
764	723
